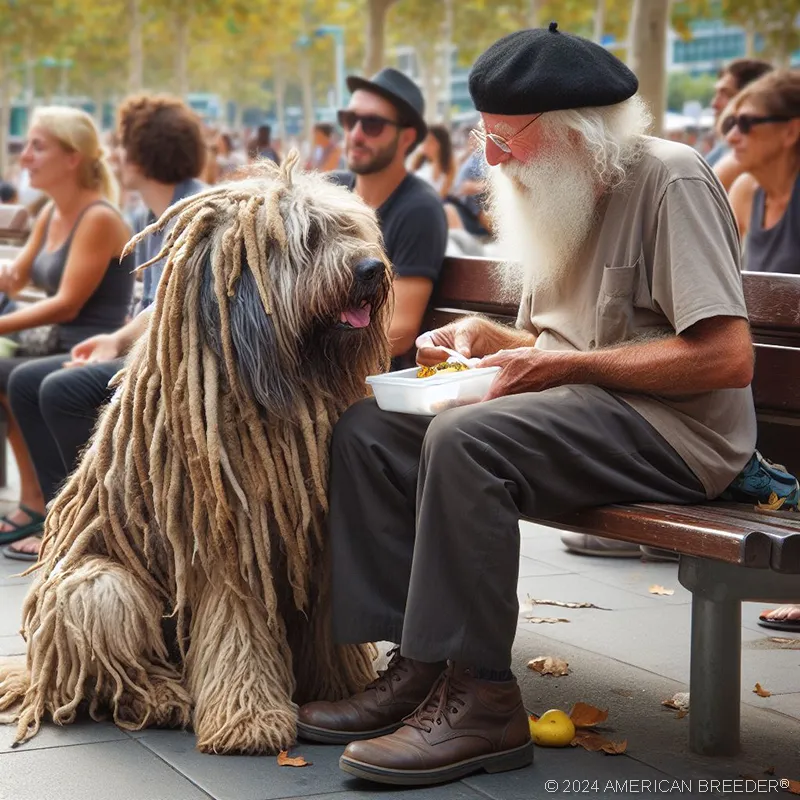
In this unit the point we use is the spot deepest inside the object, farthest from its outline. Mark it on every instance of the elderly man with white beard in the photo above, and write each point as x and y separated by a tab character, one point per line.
626	380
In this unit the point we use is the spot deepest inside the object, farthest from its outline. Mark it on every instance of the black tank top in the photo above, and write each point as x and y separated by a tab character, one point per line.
107	308
776	249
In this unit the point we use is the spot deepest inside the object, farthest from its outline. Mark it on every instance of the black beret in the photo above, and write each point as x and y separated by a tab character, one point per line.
543	69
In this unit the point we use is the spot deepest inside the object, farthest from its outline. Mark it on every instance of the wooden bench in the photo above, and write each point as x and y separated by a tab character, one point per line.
728	552
14	224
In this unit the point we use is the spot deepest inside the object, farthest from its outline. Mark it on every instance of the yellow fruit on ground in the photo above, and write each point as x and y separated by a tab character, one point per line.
553	729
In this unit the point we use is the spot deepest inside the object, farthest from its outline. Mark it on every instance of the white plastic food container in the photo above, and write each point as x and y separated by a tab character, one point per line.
403	391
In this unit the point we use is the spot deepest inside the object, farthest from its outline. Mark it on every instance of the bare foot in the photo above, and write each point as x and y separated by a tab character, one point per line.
782	613
31	544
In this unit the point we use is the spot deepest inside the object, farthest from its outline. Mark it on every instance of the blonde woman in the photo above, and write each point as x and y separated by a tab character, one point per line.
73	256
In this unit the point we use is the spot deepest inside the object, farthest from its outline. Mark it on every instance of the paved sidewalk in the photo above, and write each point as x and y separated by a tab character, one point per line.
627	659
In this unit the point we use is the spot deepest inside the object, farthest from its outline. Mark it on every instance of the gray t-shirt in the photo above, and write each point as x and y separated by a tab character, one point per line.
663	256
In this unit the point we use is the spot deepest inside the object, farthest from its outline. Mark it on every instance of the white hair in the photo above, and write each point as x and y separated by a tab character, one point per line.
611	134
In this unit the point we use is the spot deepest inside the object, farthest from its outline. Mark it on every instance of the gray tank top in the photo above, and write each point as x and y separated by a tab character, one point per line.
776	249
108	307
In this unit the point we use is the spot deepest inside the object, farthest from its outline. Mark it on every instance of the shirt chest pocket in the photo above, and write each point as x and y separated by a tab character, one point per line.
614	313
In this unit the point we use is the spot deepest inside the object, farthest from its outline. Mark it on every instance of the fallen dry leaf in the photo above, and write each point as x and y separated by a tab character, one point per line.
783	640
545	620
793	786
585	716
678	701
656	589
285	760
761	691
535	601
595	743
681	714
547	665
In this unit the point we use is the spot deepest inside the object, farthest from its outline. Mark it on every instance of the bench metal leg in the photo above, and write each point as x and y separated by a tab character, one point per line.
716	674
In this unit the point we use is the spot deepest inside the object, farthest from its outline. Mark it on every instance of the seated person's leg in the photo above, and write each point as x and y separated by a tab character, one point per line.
70	401
57	410
374	463
23	376
481	468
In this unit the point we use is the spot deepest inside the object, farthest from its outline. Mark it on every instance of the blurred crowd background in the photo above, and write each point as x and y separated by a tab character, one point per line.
268	76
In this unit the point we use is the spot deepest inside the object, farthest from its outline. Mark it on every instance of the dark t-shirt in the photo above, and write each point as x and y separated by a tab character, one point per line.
413	224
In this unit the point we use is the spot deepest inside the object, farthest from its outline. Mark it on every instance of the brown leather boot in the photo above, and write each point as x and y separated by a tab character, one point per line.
465	725
376	711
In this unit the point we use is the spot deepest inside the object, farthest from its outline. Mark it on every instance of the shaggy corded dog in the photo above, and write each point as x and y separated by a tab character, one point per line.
203	493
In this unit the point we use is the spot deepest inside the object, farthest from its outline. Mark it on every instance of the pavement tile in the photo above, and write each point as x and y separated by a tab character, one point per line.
249	777
570	771
654	734
123	770
362	790
11	608
580	588
530	568
79	733
12	645
656	642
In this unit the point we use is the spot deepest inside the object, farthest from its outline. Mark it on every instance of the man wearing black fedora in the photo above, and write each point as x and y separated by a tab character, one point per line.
626	380
383	122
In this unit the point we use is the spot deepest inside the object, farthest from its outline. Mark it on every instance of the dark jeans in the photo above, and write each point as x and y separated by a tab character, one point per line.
56	409
424	512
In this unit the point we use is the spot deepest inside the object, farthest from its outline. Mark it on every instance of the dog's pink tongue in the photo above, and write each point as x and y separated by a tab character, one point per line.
357	317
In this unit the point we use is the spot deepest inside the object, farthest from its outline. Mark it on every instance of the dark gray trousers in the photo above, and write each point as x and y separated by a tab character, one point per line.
424	515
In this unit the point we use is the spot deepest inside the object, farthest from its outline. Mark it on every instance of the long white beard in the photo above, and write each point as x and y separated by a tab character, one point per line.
543	212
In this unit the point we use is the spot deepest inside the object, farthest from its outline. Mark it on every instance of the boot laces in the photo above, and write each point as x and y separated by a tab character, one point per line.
396	665
444	698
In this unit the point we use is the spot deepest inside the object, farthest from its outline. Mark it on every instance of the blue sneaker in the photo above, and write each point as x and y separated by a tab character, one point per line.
767	485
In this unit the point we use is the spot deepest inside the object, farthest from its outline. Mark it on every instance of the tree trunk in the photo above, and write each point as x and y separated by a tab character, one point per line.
647	53
279	84
307	86
447	61
750	41
183	26
5	111
136	49
376	34
98	98
535	8
599	20
427	63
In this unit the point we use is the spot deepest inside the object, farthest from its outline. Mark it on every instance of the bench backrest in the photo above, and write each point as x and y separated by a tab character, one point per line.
14	223
475	285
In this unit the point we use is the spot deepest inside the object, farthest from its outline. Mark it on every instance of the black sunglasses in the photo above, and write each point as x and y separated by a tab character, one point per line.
371	124
745	122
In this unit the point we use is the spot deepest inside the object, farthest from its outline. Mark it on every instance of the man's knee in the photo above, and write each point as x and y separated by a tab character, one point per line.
452	431
24	383
362	423
57	395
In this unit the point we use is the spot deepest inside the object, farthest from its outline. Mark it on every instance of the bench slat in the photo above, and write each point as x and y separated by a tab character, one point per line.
680	529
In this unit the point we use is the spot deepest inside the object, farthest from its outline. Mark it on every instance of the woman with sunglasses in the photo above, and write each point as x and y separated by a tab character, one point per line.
762	126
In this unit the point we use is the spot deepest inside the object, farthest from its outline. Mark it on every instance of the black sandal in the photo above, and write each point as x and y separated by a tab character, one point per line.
22	530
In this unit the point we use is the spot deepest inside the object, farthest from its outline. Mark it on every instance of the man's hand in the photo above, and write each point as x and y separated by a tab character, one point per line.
526	369
95	350
470	336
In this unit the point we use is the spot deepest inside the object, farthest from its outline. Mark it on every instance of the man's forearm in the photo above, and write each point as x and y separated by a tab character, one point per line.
128	334
671	366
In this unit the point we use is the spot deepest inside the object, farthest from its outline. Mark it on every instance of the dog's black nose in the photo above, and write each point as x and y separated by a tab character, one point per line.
369	269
